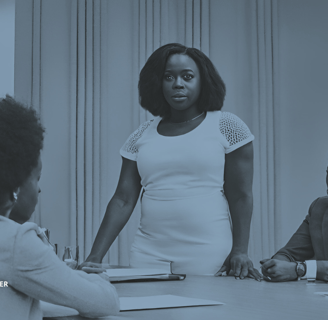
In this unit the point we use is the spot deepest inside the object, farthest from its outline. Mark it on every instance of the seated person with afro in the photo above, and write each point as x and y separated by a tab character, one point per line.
29	267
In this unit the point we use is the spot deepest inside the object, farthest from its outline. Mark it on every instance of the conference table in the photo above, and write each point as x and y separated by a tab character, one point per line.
243	299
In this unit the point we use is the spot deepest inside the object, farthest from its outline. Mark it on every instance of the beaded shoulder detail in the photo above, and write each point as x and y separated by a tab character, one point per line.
233	128
130	144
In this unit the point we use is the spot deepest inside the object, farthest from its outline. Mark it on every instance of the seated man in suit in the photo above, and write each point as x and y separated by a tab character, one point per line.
306	253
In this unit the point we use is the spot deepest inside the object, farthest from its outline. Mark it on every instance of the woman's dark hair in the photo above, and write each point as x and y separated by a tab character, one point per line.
21	139
151	95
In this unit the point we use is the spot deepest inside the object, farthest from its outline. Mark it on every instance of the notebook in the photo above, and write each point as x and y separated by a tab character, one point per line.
141	274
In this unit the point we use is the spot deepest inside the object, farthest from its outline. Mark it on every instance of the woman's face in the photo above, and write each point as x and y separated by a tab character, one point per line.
181	82
28	195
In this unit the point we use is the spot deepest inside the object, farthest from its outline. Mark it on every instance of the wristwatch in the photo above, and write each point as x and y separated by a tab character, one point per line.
300	269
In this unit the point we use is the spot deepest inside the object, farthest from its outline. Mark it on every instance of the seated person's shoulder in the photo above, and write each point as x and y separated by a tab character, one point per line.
319	203
28	228
21	239
28	240
16	242
323	200
317	206
11	230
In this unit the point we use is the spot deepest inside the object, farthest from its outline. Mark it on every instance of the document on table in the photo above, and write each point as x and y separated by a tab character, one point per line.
322	293
162	301
133	303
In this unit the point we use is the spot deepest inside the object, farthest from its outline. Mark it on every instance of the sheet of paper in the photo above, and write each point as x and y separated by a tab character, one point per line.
52	310
322	293
133	303
134	272
162	301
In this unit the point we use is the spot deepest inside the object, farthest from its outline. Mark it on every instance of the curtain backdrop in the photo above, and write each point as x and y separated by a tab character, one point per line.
266	224
77	62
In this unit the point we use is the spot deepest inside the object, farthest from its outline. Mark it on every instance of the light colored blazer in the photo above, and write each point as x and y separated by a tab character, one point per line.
34	273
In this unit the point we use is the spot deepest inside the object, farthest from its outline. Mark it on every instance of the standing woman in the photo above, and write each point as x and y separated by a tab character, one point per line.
194	165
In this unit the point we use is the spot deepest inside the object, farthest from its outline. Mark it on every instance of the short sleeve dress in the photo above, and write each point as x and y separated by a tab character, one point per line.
185	224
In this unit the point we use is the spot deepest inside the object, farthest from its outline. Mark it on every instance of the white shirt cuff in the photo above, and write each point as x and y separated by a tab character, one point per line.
311	270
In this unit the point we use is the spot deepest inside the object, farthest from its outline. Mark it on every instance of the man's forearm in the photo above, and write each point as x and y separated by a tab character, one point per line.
282	257
299	246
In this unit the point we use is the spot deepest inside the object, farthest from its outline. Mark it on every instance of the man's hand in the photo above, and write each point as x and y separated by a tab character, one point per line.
277	270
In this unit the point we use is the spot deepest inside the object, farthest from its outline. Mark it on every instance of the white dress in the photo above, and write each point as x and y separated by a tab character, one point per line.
185	223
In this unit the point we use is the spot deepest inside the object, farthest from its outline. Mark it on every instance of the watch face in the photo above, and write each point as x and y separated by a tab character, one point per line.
300	269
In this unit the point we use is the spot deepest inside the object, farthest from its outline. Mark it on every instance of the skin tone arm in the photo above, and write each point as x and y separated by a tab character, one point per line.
278	270
238	178
118	212
281	267
309	239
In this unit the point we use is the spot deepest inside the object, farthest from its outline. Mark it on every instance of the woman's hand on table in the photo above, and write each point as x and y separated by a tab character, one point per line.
90	266
101	274
277	270
240	266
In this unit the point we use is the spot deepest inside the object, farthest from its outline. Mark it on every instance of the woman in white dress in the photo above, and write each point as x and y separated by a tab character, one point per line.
194	165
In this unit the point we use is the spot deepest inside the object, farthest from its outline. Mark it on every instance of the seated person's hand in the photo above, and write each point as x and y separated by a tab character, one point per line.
91	267
278	270
240	266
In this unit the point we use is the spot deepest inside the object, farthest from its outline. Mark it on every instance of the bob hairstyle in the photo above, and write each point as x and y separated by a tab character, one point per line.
151	95
21	140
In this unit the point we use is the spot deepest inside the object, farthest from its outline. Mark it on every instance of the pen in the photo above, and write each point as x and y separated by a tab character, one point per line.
265	276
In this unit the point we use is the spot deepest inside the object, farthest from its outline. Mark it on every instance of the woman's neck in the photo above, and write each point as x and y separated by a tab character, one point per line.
5	208
5	213
182	116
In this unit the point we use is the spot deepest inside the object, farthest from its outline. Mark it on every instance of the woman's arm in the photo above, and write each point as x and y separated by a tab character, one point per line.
118	211
238	177
238	180
37	272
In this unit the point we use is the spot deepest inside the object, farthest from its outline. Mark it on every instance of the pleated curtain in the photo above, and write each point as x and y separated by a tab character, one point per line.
266	222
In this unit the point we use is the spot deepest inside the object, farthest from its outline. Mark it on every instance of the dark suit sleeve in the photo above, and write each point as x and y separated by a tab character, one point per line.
299	247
